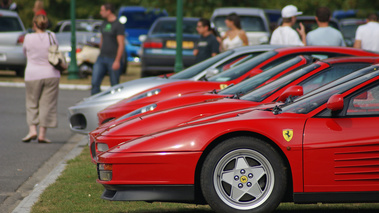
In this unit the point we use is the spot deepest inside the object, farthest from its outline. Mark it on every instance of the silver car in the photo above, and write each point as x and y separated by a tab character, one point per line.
12	33
85	30
83	116
253	21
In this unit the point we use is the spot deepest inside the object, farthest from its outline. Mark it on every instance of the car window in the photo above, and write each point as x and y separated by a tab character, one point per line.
242	69
307	103
248	23
265	91
139	20
199	67
10	24
329	75
364	103
235	61
255	81
316	55
169	27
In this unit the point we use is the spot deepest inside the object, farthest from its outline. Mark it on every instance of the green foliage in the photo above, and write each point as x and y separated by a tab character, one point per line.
60	9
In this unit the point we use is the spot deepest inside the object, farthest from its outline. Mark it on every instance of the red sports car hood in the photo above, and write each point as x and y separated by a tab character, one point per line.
151	123
185	100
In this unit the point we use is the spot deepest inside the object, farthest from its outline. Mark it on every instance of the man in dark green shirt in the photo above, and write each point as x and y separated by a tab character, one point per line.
111	49
207	46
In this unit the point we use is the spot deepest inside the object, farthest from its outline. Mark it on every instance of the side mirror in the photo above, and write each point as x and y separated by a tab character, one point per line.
142	38
335	102
211	72
294	90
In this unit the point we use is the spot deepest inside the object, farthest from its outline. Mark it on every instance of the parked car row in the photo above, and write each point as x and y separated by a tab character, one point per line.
12	33
299	128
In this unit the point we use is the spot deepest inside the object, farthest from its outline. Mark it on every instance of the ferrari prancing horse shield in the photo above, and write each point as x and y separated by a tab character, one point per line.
288	134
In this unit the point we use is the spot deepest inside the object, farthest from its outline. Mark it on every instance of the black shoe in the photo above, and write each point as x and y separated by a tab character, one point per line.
29	138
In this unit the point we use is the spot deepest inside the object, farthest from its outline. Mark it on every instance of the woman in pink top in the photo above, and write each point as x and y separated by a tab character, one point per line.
41	82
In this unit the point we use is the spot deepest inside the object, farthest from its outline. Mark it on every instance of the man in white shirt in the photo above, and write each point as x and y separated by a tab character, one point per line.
284	34
324	35
366	36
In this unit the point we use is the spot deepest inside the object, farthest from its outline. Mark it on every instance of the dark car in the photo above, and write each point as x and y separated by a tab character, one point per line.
348	28
159	48
137	21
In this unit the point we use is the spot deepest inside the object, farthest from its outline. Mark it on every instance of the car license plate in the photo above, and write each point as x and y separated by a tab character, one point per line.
3	57
186	44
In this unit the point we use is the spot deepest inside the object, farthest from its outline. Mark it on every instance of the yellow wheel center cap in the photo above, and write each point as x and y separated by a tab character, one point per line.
243	179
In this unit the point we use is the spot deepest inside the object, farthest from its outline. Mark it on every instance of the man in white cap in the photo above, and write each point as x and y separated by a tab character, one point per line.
284	34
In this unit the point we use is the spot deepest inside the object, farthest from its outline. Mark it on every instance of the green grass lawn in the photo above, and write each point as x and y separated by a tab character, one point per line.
76	190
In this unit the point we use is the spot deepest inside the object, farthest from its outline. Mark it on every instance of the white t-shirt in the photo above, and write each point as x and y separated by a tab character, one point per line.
286	36
368	34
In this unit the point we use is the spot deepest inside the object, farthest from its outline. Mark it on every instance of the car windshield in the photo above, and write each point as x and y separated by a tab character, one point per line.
140	19
10	24
255	81
199	67
348	31
310	102
169	27
265	91
240	70
248	23
344	79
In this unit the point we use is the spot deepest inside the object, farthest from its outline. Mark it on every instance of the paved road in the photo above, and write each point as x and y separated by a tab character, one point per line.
20	160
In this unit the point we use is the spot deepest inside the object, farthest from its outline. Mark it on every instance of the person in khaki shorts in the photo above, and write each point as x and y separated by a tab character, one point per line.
41	82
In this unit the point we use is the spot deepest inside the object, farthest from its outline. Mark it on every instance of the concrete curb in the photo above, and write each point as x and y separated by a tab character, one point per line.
61	86
27	203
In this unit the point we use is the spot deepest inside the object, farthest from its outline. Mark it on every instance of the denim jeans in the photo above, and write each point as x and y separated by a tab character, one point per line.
102	66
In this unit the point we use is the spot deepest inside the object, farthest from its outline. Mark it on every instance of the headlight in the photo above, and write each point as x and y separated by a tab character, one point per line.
114	90
104	171
146	94
141	110
102	147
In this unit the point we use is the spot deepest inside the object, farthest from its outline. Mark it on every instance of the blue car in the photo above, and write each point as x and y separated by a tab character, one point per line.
137	21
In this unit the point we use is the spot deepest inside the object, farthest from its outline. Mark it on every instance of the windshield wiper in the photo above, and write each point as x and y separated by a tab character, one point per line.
203	78
214	91
276	110
236	95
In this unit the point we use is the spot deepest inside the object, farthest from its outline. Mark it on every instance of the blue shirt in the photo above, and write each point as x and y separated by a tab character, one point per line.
325	36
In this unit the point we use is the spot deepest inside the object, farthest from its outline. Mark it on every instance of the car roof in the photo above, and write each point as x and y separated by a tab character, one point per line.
263	47
324	48
352	21
173	18
80	20
8	13
371	59
238	10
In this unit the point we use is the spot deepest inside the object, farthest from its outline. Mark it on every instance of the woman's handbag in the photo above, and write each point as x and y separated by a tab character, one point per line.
55	57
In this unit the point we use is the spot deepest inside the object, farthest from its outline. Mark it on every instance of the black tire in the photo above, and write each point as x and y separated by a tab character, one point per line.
261	172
